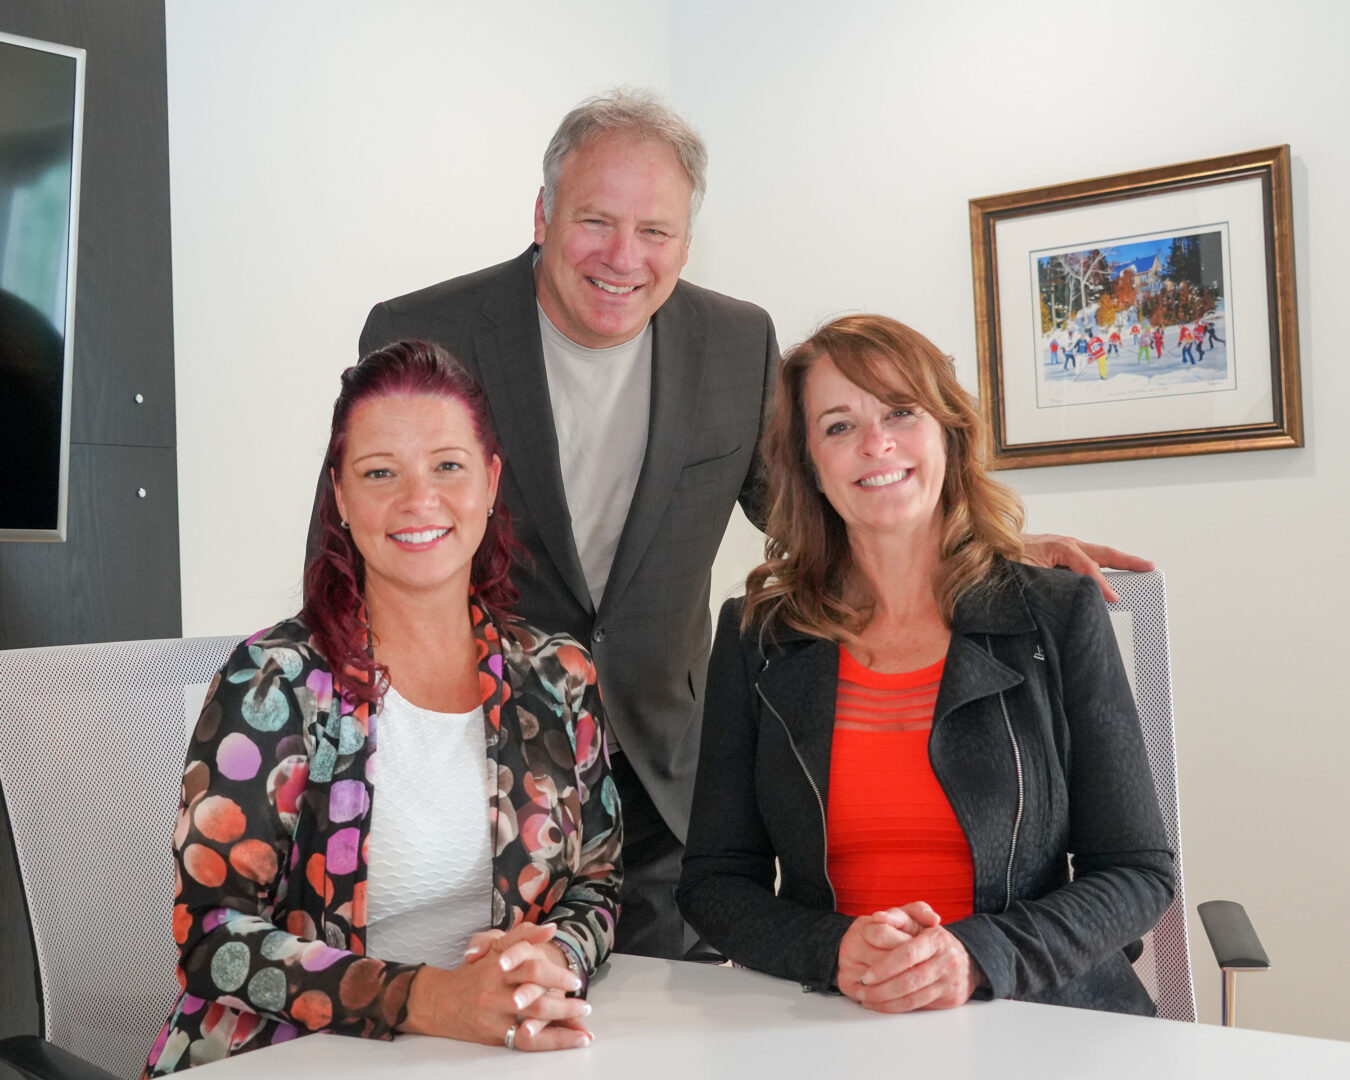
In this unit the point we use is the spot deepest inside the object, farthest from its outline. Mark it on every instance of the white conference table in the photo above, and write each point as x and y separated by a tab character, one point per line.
657	1019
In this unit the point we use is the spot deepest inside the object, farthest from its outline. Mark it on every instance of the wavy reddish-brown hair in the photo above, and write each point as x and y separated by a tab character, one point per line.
802	581
334	607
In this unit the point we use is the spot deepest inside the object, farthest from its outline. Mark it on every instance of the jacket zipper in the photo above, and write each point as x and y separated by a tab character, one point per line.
815	790
1017	821
1021	790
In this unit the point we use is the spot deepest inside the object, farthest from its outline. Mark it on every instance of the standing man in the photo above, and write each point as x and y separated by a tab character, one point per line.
628	404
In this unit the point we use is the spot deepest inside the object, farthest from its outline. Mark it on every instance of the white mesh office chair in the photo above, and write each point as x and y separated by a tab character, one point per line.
92	739
91	753
1140	622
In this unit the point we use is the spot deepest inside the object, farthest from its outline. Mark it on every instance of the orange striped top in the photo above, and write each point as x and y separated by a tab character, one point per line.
893	837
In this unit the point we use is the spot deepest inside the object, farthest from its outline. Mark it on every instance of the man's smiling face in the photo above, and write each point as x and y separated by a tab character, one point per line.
617	239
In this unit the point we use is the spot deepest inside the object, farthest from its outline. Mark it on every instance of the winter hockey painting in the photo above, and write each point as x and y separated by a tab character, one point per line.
1133	318
1141	315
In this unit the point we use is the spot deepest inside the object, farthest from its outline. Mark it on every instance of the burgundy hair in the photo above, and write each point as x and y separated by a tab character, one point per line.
334	608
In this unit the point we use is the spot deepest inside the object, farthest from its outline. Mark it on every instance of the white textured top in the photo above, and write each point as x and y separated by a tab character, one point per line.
429	885
601	400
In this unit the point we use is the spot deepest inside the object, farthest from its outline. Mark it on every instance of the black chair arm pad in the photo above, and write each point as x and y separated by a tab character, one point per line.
1231	936
38	1059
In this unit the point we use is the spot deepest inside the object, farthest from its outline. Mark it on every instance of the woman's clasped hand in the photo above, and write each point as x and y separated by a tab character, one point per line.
510	980
902	959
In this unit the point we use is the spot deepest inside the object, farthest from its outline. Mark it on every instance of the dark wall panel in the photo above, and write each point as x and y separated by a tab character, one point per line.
53	594
123	298
117	576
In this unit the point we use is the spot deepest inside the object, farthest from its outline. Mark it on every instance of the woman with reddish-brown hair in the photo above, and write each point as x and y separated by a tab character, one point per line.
933	744
463	880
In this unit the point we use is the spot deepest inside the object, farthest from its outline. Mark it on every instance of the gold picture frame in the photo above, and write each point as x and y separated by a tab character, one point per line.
1174	255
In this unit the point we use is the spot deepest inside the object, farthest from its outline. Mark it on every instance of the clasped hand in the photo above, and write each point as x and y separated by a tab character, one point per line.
902	959
508	978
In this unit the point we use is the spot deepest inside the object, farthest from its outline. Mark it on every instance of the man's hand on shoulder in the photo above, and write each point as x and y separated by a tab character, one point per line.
1047	549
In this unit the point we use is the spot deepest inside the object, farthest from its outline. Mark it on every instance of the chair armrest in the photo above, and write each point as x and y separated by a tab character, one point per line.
1231	936
38	1059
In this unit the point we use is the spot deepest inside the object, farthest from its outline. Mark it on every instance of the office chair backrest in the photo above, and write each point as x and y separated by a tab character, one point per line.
1140	621
92	741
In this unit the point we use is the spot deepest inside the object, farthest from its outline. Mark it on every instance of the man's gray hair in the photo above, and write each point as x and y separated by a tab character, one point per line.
639	113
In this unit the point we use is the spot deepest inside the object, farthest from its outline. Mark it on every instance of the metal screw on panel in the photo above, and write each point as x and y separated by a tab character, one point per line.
139	399
140	493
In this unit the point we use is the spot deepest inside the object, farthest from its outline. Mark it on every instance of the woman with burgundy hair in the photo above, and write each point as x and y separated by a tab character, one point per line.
463	880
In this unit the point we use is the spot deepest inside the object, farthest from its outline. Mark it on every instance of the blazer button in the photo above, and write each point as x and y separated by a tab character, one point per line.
598	634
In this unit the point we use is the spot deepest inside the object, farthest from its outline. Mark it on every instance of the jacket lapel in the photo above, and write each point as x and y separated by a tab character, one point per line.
678	359
494	694
972	672
511	369
799	687
801	678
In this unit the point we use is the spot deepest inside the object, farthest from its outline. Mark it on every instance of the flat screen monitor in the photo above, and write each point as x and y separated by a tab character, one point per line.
41	121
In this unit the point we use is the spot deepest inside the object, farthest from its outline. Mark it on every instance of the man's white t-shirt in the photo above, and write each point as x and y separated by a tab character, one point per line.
601	410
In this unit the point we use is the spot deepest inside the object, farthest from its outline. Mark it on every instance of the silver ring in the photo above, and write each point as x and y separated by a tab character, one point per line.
510	1039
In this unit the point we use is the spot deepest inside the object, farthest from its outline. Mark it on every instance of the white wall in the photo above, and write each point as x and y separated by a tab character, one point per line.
325	157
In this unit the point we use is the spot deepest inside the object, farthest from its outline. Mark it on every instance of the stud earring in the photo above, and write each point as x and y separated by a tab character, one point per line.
345	525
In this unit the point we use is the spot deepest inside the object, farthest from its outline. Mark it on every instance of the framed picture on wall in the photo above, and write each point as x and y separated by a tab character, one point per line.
1148	314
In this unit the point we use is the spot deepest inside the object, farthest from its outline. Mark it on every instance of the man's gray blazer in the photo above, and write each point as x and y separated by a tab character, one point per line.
712	361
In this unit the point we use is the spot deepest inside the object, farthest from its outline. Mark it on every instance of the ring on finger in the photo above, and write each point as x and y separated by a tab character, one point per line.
510	1041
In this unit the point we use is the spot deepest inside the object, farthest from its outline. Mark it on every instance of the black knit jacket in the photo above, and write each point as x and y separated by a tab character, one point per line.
1034	711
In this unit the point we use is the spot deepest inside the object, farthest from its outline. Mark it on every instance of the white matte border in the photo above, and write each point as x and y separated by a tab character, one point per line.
1239	203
